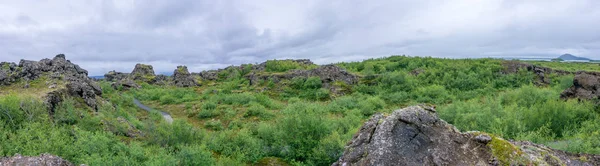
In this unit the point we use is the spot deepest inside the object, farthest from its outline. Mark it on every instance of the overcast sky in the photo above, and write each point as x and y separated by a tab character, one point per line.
103	35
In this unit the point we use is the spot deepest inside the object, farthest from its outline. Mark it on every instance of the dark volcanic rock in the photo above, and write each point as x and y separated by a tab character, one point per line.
86	89
114	76
143	72
78	84
416	136
211	75
126	84
586	85
42	160
183	78
541	72
8	73
327	73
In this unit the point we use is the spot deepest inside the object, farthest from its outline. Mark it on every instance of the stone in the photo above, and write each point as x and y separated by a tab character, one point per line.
161	79
511	67
183	78
86	89
211	75
126	84
44	159
114	76
483	138
143	72
417	136
586	85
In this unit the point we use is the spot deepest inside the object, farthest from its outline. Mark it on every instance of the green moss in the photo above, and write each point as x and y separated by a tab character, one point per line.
506	153
6	66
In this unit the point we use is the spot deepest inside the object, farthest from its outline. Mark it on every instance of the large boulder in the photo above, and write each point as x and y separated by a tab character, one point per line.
85	89
416	136
586	85
183	78
143	72
42	160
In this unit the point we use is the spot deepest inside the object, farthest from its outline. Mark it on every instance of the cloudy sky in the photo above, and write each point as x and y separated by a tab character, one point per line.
103	35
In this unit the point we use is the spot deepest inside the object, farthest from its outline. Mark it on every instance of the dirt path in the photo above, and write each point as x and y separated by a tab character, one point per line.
165	115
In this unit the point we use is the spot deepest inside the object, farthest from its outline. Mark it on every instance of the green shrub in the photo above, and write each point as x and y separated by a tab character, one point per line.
214	125
194	155
313	83
258	110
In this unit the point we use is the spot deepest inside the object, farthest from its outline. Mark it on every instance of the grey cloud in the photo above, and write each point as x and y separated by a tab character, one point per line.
105	35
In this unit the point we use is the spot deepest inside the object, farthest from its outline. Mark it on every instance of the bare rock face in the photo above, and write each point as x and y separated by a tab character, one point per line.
416	136
586	85
42	160
143	72
183	78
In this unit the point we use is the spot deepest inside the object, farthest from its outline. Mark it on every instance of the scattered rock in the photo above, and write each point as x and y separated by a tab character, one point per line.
86	89
416	72
126	84
327	73
143	72
26	85
183	78
211	75
586	85
416	136
114	76
42	160
511	67
161	79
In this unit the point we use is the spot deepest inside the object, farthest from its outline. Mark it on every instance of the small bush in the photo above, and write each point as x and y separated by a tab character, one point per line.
258	110
214	125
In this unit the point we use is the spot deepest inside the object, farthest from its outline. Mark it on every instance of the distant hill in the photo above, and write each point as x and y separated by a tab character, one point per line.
569	57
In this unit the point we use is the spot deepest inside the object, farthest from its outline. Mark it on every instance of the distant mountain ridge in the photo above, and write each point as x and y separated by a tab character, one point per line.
568	57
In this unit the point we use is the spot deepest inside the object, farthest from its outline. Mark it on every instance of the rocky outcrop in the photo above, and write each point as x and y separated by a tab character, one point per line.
416	136
262	66
183	78
125	84
42	160
114	76
327	73
586	85
58	69
511	67
8	73
210	75
161	80
143	72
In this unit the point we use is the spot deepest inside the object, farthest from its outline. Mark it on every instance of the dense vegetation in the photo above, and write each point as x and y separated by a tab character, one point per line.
298	121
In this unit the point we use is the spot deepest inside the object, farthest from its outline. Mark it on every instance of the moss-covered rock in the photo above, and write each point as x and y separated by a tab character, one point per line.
143	72
416	136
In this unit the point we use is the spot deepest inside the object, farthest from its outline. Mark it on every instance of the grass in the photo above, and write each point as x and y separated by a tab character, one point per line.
570	66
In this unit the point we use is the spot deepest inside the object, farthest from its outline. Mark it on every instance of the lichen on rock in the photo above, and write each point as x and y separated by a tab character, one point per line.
416	136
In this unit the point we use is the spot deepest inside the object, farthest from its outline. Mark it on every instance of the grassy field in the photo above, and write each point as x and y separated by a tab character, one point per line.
300	121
